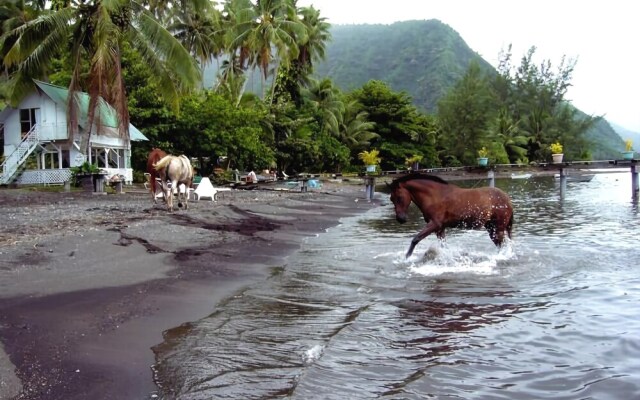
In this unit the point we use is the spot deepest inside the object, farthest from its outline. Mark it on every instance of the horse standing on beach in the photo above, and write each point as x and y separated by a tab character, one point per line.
175	171
445	205
154	156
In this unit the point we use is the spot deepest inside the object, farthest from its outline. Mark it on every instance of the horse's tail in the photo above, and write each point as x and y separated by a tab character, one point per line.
162	163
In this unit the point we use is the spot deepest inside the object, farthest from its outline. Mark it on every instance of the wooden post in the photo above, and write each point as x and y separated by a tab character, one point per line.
369	187
492	178
634	183
563	183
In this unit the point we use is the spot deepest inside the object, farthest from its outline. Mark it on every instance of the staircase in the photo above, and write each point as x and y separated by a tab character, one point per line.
13	162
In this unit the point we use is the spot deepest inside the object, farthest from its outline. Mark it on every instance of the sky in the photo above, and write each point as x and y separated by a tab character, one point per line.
603	36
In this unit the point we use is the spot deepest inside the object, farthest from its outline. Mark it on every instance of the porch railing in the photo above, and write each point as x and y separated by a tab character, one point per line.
13	162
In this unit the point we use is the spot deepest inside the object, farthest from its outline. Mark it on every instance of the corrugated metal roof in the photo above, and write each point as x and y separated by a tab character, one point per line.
108	116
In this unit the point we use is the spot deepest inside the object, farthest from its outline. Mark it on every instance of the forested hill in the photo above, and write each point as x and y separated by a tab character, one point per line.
423	58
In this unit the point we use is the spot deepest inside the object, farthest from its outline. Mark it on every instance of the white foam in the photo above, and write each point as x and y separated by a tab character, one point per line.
440	260
313	354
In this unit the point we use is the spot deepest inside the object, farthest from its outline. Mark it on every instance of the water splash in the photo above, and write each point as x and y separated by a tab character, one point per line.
443	259
313	354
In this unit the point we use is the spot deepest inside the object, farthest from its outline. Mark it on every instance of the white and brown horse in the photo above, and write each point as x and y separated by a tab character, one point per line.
173	172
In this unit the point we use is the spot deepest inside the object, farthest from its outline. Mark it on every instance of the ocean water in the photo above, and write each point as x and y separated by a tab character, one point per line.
553	314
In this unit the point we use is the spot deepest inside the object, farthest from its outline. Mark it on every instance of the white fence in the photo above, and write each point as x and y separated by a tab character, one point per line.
59	176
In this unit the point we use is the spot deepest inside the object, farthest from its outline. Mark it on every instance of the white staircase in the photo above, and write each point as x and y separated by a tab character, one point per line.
13	162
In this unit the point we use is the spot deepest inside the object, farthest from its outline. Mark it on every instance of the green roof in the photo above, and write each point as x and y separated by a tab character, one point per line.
108	116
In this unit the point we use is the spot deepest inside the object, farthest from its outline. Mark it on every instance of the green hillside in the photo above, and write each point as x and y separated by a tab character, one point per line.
424	59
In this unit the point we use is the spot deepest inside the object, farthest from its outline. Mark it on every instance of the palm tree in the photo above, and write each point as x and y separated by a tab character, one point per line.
311	47
93	33
355	130
197	26
507	131
325	98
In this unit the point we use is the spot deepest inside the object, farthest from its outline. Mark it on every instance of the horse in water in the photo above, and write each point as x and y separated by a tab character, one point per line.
445	205
154	156
175	171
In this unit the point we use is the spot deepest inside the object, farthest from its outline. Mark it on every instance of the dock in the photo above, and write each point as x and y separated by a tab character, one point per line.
510	171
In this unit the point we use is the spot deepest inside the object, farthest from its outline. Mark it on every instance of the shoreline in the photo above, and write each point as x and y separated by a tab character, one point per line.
90	283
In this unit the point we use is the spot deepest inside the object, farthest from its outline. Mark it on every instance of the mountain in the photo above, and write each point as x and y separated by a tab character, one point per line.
424	59
626	134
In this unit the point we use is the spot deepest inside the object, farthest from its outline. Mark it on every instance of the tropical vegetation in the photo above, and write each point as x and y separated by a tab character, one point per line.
149	59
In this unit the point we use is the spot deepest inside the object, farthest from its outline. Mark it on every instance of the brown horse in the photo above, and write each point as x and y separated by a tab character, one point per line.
445	205
154	156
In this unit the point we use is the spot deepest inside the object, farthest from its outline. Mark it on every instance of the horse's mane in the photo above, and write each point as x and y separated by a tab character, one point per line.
417	175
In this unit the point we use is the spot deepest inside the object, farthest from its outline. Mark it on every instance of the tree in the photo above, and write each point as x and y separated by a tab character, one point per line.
464	115
311	47
325	98
402	129
532	96
92	34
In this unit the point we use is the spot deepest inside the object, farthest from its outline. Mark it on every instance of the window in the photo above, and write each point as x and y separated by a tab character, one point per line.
27	120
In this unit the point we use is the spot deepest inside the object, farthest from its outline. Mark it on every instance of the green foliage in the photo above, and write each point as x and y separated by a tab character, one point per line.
465	114
85	168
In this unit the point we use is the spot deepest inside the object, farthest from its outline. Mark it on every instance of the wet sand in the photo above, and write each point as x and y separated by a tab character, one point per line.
88	283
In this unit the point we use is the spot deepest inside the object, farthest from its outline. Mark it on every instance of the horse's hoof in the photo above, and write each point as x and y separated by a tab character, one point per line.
179	205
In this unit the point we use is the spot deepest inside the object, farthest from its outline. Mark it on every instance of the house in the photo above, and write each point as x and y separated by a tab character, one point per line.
37	147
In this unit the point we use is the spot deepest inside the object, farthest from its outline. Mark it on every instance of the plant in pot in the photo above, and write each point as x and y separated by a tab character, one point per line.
413	162
483	157
556	152
627	154
82	175
371	159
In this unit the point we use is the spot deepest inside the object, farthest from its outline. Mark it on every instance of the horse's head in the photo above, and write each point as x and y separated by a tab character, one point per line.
401	199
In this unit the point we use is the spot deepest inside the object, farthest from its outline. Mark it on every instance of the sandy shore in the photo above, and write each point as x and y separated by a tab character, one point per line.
88	283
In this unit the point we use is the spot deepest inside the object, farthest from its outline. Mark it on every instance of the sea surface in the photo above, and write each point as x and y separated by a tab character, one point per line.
555	314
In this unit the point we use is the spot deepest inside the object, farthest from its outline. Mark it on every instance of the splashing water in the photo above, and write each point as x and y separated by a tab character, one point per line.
441	259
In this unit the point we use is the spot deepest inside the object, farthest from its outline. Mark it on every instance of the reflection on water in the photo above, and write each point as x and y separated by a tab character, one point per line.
555	314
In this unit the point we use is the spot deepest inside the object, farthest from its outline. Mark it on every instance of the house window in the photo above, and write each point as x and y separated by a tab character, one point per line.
27	120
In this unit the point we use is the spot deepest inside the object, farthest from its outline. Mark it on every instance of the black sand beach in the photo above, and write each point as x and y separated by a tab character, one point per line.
88	283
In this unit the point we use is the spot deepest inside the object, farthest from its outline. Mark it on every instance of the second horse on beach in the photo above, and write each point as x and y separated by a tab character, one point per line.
173	172
445	205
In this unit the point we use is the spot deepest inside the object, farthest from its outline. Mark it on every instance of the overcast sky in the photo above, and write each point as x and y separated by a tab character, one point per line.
604	37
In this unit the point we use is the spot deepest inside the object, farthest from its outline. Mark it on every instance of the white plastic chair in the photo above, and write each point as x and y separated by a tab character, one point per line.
206	190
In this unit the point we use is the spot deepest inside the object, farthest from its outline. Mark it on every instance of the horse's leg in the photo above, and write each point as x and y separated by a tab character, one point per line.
426	231
186	197
496	232
152	187
170	196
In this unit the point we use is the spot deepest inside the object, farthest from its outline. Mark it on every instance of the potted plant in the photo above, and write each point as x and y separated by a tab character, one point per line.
627	154
483	158
412	162
370	158
556	152
83	175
